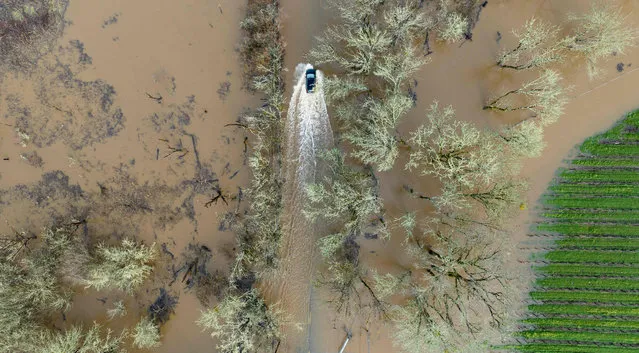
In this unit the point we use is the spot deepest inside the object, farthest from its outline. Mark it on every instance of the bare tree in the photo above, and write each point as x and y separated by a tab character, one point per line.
243	323
375	141
375	50
351	286
538	44
457	292
338	88
124	267
347	195
452	27
77	340
477	168
118	310
525	139
490	203
455	151
543	96
599	33
146	334
35	285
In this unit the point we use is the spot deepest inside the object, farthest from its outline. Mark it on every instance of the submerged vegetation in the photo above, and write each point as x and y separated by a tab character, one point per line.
585	287
456	292
242	321
597	34
40	276
259	233
29	29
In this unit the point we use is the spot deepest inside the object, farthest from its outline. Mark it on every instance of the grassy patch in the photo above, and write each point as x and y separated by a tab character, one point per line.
599	243
571	348
597	337
586	296
589	256
603	189
607	162
560	322
576	309
600	175
592	215
588	270
624	230
617	284
593	202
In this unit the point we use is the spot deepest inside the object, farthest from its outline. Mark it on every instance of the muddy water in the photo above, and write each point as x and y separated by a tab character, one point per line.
176	50
169	155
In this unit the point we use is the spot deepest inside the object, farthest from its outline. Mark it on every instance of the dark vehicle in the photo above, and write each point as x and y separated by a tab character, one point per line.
310	80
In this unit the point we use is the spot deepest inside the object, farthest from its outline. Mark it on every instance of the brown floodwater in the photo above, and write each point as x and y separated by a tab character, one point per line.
183	52
165	154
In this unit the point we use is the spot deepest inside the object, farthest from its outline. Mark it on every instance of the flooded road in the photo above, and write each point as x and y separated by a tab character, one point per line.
308	133
161	140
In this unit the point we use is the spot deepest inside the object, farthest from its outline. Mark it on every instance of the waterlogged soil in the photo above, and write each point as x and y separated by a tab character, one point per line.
120	132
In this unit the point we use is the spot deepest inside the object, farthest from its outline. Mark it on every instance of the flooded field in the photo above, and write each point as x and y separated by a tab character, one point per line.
122	131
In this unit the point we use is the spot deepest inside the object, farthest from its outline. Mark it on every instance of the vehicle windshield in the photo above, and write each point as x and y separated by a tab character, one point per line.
310	76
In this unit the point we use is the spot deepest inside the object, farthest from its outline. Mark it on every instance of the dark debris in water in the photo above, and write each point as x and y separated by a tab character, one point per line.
52	200
163	306
224	90
76	112
194	274
33	159
174	117
111	20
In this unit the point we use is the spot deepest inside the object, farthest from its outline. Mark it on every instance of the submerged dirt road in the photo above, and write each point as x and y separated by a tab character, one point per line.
308	133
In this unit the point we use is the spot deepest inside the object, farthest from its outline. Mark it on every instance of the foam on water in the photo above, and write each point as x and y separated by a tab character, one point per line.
308	132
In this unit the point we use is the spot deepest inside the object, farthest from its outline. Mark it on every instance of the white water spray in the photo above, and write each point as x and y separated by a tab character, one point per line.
308	129
308	132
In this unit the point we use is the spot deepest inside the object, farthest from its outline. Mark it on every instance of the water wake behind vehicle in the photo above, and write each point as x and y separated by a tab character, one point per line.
308	132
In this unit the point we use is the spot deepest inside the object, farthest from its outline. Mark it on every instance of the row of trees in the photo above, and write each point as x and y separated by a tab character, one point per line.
592	36
39	276
599	33
242	322
375	50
